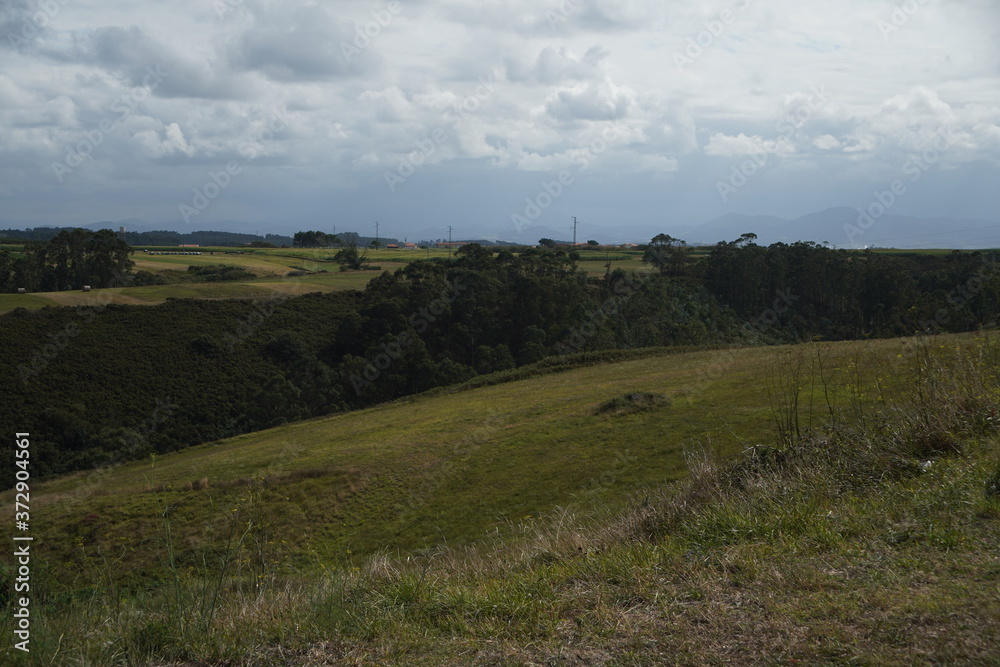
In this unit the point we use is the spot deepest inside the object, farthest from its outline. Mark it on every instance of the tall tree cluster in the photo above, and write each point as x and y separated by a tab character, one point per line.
315	239
71	259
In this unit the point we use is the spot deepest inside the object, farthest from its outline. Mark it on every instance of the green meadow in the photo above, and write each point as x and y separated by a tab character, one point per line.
290	271
838	493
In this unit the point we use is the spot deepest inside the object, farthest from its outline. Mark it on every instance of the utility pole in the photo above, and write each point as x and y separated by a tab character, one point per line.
449	239
574	232
376	234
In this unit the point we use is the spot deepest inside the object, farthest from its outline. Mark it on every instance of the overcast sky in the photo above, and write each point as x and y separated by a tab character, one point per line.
494	116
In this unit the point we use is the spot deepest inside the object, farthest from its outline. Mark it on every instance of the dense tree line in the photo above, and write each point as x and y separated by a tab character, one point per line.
314	239
841	294
102	384
69	260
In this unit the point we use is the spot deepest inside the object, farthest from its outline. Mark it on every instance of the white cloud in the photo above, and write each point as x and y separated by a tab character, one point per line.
591	101
827	142
728	146
169	141
553	86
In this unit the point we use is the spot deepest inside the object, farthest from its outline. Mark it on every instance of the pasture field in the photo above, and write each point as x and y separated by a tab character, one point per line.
312	269
316	269
455	467
827	503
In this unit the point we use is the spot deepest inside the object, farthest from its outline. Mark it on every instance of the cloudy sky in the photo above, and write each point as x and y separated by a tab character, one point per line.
494	117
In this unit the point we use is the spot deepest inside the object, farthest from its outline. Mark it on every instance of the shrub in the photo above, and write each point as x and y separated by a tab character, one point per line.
146	278
639	401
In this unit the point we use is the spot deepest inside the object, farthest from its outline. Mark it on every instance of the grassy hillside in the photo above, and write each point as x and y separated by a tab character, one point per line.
528	522
443	469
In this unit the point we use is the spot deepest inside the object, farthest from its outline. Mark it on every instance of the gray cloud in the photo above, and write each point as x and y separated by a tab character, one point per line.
304	43
592	102
22	24
558	74
129	52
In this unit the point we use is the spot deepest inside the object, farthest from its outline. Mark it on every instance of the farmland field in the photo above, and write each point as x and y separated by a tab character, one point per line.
319	273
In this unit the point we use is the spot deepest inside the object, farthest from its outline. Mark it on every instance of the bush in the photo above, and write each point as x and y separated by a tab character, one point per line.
218	273
146	279
639	401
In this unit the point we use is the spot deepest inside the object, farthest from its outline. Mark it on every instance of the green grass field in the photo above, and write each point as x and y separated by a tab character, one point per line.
319	273
449	468
829	503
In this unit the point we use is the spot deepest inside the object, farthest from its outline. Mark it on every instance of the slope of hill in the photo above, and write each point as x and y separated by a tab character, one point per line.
446	468
340	540
438	469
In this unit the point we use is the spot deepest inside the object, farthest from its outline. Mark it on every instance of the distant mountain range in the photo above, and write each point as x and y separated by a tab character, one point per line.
840	227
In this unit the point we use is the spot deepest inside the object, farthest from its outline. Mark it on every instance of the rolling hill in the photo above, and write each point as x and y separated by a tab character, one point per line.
815	502
450	467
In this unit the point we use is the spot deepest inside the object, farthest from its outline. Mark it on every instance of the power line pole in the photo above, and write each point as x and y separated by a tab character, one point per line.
449	239
574	232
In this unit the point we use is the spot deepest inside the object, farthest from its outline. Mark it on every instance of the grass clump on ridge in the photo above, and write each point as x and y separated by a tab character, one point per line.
637	401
